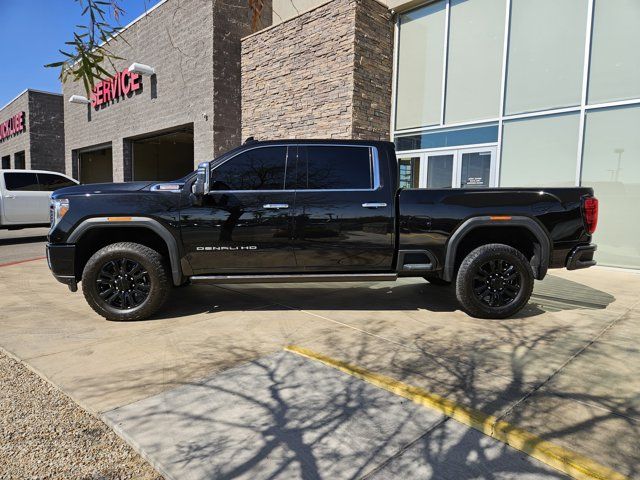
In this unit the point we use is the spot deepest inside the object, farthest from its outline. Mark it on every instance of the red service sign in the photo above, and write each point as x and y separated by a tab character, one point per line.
12	126
121	84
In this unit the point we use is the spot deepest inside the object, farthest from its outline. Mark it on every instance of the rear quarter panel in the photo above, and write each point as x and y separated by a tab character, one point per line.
427	218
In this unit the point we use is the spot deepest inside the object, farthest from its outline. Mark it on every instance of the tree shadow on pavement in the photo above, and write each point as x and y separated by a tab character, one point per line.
281	416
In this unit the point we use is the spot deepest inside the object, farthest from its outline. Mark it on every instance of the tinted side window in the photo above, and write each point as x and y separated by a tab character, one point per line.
21	182
256	169
329	167
51	182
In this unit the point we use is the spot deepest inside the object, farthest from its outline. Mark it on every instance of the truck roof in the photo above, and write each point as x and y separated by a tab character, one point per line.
328	141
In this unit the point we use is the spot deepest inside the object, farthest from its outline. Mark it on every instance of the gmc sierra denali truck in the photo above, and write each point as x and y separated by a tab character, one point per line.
312	211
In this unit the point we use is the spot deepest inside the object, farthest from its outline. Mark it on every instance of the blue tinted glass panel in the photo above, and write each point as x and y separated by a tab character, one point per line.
448	138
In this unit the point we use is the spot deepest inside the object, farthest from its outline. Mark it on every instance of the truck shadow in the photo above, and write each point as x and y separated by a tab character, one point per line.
552	294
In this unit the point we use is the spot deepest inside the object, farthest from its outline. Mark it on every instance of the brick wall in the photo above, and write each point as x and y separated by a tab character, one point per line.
325	73
231	22
43	140
46	117
18	142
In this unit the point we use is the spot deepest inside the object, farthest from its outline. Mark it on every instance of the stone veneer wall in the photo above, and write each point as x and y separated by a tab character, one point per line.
324	74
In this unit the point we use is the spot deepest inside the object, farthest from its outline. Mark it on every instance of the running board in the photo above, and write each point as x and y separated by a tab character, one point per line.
295	278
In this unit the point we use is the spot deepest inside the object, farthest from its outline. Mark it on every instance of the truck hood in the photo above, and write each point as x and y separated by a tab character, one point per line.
94	188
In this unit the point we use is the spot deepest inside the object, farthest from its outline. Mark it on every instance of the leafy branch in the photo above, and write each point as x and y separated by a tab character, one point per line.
85	55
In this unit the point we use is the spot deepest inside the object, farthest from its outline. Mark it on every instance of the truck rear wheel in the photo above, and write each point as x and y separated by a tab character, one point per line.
494	281
125	281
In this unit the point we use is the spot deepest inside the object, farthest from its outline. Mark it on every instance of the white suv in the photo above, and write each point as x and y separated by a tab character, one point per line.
24	196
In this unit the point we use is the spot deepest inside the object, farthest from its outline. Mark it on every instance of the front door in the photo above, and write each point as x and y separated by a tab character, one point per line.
476	168
245	222
344	220
23	200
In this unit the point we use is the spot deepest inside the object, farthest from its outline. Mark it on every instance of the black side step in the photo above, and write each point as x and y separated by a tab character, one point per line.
294	278
416	261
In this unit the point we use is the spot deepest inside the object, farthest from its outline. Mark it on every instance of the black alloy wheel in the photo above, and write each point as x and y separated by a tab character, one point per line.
497	282
494	281
126	281
123	283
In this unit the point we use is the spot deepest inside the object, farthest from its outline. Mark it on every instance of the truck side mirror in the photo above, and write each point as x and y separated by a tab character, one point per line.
201	185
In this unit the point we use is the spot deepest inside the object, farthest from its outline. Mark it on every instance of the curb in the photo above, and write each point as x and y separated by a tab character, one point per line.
567	461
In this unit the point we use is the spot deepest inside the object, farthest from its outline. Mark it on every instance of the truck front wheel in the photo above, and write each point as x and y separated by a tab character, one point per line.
125	281
494	281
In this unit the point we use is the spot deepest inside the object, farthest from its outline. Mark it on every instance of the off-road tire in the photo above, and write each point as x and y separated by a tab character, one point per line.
469	286
149	259
437	281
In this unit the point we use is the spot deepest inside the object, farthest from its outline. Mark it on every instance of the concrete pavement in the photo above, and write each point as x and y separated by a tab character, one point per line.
565	368
283	416
18	245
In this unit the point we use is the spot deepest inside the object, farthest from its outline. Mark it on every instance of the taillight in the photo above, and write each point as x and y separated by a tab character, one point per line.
590	212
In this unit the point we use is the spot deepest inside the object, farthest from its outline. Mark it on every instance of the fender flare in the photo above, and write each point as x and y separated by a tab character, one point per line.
145	222
472	223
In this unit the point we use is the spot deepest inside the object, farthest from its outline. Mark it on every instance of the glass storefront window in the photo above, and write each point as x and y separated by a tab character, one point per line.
440	170
614	73
546	54
474	65
540	151
448	138
420	64
409	172
611	165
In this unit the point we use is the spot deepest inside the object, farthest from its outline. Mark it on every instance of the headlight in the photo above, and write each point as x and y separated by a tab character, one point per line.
58	209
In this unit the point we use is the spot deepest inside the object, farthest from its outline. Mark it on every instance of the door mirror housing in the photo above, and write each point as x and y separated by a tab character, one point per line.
201	185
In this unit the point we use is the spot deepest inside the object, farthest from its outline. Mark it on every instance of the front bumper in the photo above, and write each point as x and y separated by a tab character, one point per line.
581	257
61	259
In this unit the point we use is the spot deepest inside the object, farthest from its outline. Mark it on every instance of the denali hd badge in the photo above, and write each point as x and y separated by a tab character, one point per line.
218	249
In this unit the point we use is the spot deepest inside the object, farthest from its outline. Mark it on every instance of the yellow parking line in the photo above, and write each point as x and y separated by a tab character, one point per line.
573	464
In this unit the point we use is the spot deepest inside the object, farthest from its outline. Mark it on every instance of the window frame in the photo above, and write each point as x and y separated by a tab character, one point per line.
374	168
25	172
243	151
56	174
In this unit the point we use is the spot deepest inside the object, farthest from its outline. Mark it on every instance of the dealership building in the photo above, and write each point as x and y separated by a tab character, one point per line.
157	126
32	131
481	93
475	93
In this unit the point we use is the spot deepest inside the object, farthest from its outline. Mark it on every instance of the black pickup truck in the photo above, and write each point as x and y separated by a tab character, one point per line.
312	210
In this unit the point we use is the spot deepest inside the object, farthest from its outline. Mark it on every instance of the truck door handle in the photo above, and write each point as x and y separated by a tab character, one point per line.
275	206
9	196
374	205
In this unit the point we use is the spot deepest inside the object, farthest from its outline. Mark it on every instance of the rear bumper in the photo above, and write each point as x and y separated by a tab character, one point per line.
581	257
61	259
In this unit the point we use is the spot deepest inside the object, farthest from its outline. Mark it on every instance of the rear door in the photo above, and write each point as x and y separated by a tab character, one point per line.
245	222
22	199
343	218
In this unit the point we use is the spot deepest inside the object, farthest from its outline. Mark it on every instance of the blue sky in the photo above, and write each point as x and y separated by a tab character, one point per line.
32	32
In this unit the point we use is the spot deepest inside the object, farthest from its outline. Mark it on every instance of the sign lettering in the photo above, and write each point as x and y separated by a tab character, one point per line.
12	126
121	84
